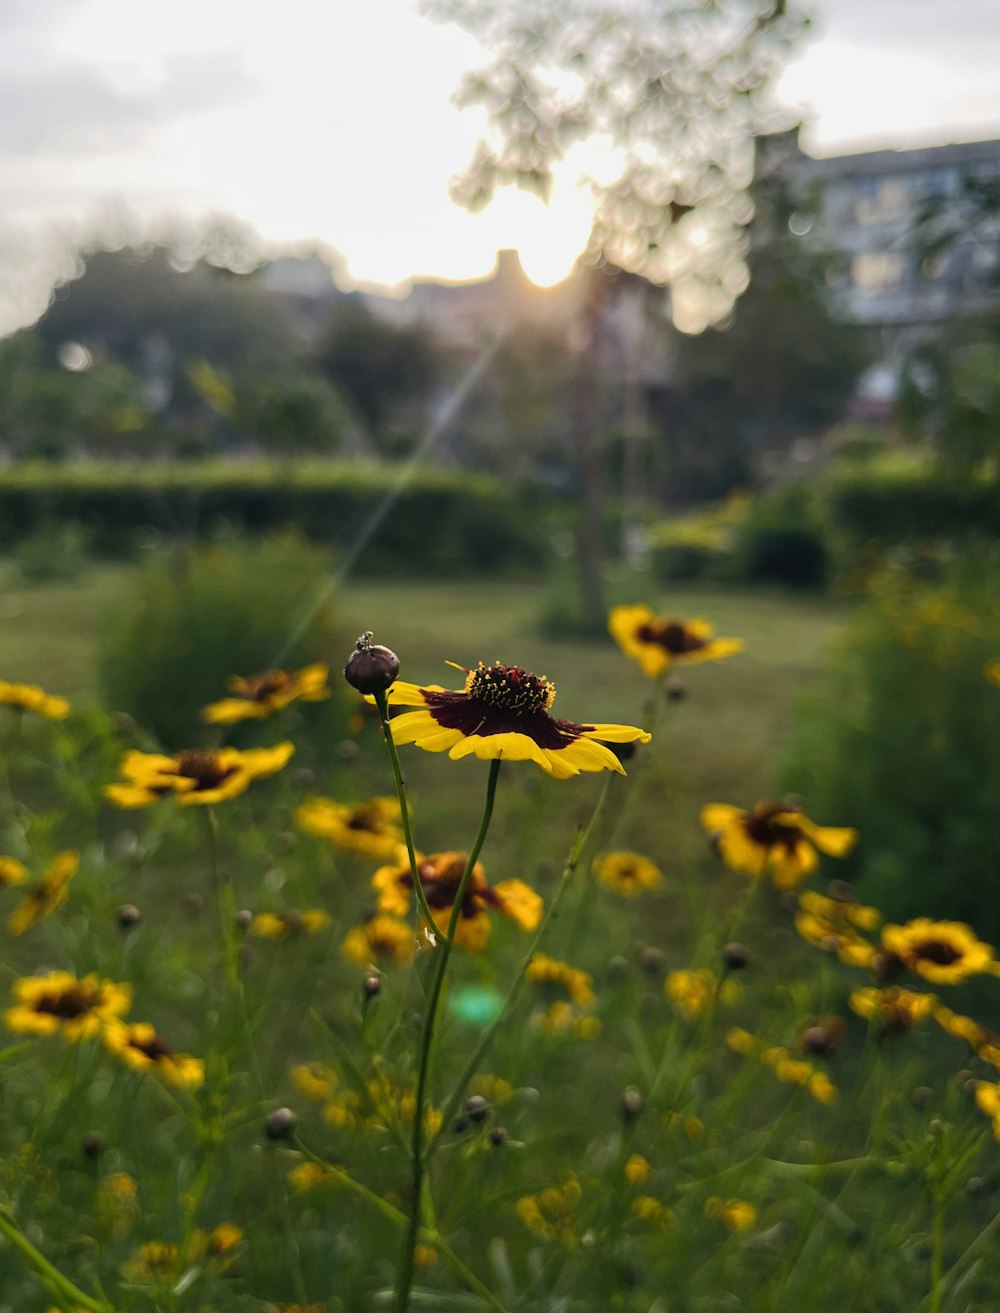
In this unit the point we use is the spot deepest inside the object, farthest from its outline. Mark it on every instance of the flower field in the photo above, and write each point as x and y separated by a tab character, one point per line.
522	989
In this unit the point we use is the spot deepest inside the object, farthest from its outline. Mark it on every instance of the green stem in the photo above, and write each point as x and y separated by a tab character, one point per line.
399	1219
382	703
426	1044
226	900
576	851
60	1286
937	1249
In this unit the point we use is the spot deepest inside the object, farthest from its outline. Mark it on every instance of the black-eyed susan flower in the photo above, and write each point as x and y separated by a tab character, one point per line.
569	992
691	991
12	872
833	924
47	895
734	1214
285	925
659	642
775	836
943	952
440	874
502	714
259	696
894	1010
140	1047
381	941
59	1003
197	777
29	697
627	874
372	828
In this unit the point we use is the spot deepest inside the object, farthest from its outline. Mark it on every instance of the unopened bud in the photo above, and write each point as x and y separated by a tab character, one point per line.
243	918
92	1144
477	1107
652	960
127	916
735	956
633	1104
280	1124
371	668
372	987
460	1125
498	1136
676	691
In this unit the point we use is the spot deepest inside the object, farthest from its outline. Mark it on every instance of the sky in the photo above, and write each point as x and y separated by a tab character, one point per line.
331	121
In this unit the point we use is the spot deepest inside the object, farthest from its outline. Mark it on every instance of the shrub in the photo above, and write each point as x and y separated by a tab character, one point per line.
53	553
903	743
781	540
196	618
444	521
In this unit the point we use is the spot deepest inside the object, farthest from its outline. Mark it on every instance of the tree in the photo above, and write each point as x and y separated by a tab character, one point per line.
675	91
383	370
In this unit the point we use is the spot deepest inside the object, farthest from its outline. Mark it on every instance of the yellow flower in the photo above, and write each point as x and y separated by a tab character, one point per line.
196	777
742	1042
658	642
494	1089
551	1212
29	697
371	828
988	1101
943	952
307	1175
141	1048
12	872
59	1003
833	924
692	990
896	1010
548	973
503	715
395	1103
314	1081
648	1209
224	1239
984	1043
424	1257
734	1214
268	925
383	939
120	1185
775	835
822	1088
49	894
440	875
637	1170
992	672
627	874
257	696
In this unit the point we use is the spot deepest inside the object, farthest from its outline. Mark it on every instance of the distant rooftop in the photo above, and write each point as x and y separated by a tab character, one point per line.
878	163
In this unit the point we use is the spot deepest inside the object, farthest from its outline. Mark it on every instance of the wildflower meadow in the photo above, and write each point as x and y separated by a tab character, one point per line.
454	985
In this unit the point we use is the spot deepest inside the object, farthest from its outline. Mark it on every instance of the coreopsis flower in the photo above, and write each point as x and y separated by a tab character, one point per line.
570	992
383	940
773	835
270	925
440	874
141	1048
59	1003
787	1068
983	1042
394	1103
943	952
833	924
659	642
157	1260
627	874
309	1174
259	696
372	828
196	777
637	1169
734	1214
988	1102
896	1010
12	872
691	991
502	714
29	697
552	1212
48	894
647	1208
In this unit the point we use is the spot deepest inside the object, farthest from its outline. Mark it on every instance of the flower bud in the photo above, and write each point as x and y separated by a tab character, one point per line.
372	987
476	1107
280	1124
498	1136
92	1144
633	1104
653	961
460	1125
244	918
735	957
127	916
676	691
371	668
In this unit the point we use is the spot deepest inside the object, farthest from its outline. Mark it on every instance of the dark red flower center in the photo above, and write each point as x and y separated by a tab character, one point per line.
504	700
204	768
937	951
671	635
510	689
258	688
763	829
67	1004
154	1049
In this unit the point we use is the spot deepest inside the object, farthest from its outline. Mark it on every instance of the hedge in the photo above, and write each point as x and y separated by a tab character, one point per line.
445	521
907	504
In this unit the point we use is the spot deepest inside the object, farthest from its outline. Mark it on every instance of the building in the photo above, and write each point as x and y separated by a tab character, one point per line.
883	212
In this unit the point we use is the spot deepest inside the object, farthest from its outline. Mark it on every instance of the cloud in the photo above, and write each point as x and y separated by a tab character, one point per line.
75	109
